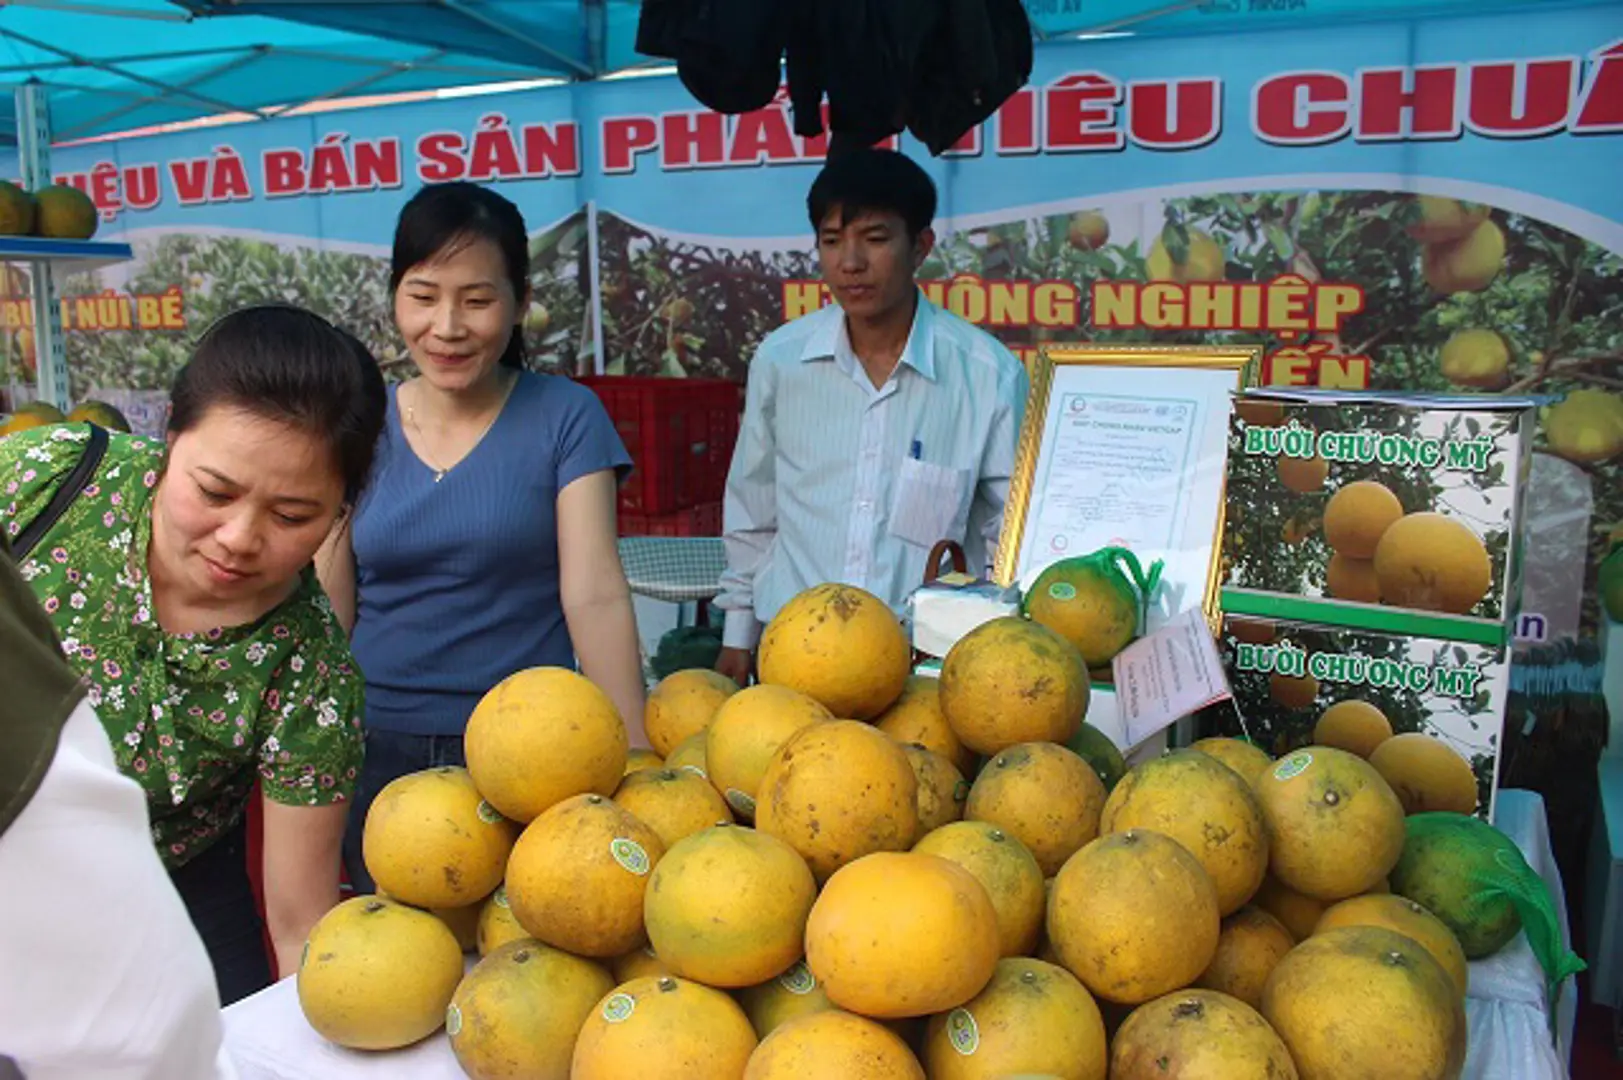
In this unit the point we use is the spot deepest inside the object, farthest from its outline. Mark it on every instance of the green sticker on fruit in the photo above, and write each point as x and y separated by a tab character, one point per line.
1293	766
1062	591
798	979
488	814
453	1020
630	855
501	896
618	1008
742	802
963	1032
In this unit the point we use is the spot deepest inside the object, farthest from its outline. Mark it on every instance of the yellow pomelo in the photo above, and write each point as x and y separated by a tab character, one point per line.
577	877
517	1014
916	717
27	417
1443	219
640	759
1087	230
1303	475
1199	1033
664	1028
1354	726
16	210
1110	909
683	704
837	791
638	964
1293	691
1204	261
1366	1001
1011	680
1468	264
793	994
1008	872
841	646
1251	944
942	789
674	803
746	732
99	413
1042	794
432	842
1033	1017
1408	918
1434	563
64	212
1247	759
689	755
1295	911
1336	828
1476	358
1352	579
377	974
727	906
1203	805
541	736
1090	610
1586	426
1426	773
497	926
902	934
832	1044
1357	515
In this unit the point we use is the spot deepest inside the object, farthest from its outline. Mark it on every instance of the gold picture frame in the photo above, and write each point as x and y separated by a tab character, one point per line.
1085	365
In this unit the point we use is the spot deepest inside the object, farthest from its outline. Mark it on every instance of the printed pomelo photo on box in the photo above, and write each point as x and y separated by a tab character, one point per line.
1390	512
1426	712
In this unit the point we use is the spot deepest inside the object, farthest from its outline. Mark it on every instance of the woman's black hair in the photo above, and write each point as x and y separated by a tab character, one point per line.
288	364
873	180
441	218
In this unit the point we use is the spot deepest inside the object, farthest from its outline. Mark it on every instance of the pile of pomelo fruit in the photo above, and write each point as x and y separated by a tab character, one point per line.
851	872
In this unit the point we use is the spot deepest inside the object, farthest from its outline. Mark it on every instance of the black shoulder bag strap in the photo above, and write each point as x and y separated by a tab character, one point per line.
70	489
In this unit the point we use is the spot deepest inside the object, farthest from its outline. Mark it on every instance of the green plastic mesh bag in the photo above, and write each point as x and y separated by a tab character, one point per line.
1475	879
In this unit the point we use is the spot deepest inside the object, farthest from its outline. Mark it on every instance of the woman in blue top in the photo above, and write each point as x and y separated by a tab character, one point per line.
486	541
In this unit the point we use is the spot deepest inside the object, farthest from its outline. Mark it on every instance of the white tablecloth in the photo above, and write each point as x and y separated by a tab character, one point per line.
1510	1031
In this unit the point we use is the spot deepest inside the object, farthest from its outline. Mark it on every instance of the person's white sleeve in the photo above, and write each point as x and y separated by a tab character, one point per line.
749	510
997	466
102	976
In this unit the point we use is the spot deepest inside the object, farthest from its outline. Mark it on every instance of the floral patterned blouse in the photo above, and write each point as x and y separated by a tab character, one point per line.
192	717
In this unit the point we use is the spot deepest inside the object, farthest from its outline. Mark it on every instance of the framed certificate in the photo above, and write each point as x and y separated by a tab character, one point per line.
1127	446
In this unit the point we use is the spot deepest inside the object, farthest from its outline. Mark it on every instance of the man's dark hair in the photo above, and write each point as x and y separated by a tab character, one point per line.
873	181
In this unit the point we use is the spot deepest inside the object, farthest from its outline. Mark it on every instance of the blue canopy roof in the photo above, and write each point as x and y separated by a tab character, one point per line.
117	65
114	65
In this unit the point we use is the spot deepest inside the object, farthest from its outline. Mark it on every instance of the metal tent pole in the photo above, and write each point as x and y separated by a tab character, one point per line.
34	159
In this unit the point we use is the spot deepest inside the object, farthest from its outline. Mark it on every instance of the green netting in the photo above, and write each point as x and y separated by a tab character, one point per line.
1475	879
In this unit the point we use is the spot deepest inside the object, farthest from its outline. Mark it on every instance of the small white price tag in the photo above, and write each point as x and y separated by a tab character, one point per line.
1164	676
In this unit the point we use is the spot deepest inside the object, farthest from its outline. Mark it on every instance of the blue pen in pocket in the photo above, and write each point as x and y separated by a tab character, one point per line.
918	450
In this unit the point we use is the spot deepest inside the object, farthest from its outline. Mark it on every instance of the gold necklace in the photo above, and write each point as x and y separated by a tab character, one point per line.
439	473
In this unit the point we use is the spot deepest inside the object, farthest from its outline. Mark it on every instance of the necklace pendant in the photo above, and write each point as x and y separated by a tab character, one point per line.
439	475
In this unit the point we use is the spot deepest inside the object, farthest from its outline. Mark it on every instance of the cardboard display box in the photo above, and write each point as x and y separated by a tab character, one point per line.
1286	674
1397	513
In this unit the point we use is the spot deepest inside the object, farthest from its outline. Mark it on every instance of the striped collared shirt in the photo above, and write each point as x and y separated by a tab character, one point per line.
834	480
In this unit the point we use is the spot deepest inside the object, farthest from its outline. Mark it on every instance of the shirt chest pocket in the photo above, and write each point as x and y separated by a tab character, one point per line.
931	503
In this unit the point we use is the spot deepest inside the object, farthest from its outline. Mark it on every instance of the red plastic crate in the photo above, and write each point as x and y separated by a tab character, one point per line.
680	434
701	520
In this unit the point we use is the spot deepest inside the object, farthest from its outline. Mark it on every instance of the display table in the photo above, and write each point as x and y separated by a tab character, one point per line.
1509	1027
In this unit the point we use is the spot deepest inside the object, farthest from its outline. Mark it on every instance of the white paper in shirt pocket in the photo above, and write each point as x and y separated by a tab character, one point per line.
931	503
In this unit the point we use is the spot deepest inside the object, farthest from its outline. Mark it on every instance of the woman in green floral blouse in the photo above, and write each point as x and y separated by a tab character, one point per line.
180	583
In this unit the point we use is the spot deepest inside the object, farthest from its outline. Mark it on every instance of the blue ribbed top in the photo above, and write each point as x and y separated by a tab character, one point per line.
458	580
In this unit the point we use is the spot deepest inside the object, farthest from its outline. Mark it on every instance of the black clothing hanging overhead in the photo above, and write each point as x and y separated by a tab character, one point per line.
934	68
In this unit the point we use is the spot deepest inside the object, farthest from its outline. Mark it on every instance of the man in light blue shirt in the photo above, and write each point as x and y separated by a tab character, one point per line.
872	428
